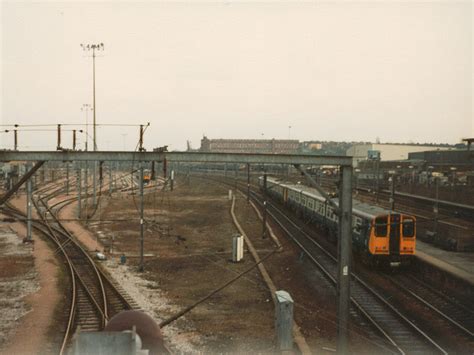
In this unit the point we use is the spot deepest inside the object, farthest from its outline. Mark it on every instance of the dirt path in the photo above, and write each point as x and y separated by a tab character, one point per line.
32	332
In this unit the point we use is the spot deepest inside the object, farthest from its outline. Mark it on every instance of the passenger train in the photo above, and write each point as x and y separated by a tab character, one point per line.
379	235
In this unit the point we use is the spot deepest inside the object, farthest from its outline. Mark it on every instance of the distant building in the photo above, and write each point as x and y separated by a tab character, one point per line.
360	152
269	146
461	160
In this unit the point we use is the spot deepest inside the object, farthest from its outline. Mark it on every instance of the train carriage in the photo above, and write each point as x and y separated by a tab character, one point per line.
378	235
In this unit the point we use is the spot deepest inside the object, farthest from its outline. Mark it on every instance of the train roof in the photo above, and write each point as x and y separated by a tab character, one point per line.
358	207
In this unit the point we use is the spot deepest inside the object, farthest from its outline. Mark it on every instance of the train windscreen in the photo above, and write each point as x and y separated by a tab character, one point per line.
408	227
381	227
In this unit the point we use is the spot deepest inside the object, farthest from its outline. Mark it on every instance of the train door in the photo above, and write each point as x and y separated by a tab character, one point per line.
394	234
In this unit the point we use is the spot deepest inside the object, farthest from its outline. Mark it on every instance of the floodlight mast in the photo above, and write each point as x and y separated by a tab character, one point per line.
93	47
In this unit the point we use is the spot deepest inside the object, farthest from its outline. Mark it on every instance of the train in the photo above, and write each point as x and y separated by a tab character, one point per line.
146	176
379	236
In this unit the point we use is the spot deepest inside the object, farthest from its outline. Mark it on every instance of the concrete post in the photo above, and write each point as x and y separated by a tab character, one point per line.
141	268
28	206
344	259
172	180
237	248
284	321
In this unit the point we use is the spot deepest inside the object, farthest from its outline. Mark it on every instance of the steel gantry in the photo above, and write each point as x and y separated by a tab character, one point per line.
344	207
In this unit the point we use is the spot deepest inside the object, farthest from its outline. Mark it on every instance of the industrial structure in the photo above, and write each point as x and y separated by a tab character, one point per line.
462	160
360	152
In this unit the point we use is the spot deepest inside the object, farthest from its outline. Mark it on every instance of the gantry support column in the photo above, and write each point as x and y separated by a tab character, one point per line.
141	268
110	178
29	190
94	182
86	186
248	182
344	259
67	178
79	192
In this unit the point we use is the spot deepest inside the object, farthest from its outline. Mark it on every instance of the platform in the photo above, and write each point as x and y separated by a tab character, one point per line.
460	264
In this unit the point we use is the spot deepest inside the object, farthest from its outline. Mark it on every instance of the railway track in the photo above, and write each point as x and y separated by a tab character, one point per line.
404	336
451	314
94	297
456	318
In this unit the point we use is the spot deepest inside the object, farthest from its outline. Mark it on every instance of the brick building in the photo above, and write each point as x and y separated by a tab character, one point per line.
269	146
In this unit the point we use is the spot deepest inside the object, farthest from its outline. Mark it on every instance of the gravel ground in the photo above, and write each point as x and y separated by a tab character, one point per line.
188	238
153	302
18	279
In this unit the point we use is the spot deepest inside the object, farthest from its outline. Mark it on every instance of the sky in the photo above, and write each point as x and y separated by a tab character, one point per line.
399	71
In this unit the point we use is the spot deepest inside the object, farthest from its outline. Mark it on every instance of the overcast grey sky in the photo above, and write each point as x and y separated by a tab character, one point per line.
333	70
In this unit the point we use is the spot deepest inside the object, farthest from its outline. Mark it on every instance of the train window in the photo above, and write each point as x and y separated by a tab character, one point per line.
381	226
408	227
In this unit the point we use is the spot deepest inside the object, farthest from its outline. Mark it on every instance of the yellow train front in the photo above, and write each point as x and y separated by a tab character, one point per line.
392	238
